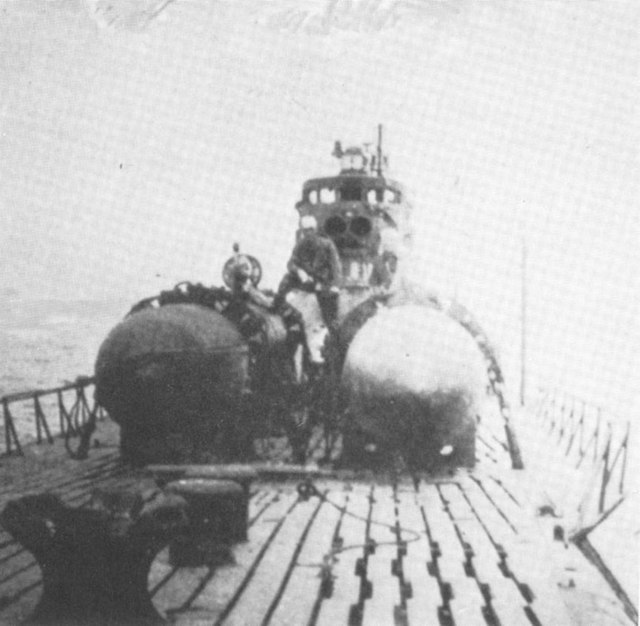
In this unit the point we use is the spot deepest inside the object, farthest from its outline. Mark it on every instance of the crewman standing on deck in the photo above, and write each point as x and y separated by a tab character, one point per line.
385	263
314	266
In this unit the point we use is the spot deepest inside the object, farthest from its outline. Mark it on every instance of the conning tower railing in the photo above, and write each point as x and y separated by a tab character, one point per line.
42	415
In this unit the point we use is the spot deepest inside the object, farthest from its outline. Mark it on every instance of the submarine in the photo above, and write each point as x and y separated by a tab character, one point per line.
198	374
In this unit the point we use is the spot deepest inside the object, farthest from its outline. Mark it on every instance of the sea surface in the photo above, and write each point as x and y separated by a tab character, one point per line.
47	343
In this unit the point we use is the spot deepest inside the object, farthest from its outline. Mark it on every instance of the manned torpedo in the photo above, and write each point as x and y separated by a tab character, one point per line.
198	373
413	384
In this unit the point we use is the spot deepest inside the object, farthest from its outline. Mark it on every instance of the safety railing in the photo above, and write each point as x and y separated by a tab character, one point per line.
42	415
597	443
589	436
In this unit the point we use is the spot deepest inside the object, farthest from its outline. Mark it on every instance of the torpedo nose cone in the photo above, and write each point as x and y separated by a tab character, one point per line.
172	378
413	378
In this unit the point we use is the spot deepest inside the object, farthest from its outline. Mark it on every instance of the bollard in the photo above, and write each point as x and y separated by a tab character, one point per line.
95	560
218	515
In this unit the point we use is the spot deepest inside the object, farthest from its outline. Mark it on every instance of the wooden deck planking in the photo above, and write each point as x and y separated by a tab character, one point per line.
511	506
502	532
506	600
261	594
532	563
159	573
17	580
20	561
80	492
259	501
486	450
500	538
9	551
21	603
524	548
227	583
162	570
67	484
173	598
386	596
21	578
58	468
347	582
304	590
423	605
467	601
488	520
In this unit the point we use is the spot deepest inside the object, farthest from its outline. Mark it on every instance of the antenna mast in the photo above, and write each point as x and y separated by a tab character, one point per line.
523	322
379	163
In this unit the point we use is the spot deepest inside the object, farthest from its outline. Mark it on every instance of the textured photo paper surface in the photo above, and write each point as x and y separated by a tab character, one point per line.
139	140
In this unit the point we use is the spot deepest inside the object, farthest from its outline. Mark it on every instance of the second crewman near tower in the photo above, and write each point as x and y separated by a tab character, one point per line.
314	266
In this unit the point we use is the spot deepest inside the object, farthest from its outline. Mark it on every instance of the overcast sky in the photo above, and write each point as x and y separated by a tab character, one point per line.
139	140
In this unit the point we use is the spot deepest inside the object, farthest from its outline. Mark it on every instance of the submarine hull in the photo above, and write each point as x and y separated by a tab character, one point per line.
411	383
174	379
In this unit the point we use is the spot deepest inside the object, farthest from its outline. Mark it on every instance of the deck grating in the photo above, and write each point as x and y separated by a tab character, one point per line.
456	550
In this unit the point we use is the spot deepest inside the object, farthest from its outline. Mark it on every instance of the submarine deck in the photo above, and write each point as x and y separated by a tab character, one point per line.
460	549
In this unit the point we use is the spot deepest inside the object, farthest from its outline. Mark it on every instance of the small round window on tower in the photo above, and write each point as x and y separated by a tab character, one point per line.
335	225
360	226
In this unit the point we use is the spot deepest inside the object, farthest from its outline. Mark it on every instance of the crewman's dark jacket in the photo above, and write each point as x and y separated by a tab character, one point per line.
318	257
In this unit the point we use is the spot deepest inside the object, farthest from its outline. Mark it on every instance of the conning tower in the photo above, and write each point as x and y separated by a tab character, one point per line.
364	212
